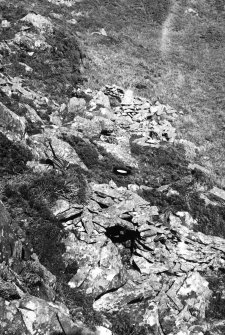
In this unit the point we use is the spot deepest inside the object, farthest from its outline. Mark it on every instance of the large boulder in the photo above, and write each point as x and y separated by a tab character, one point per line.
42	150
100	267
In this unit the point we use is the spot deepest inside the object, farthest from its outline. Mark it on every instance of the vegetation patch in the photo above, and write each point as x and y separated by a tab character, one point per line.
160	166
100	163
216	308
79	304
30	198
13	157
123	324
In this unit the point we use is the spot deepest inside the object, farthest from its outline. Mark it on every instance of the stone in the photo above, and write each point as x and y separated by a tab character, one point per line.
56	119
5	24
89	128
106	113
86	219
187	219
128	98
106	201
63	150
69	214
149	268
103	331
130	291
11	125
105	190
217	193
32	116
107	126
120	152
93	206
31	41
101	99
100	266
196	292
43	24
76	105
60	206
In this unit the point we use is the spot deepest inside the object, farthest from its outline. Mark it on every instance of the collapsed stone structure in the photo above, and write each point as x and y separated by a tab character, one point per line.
162	283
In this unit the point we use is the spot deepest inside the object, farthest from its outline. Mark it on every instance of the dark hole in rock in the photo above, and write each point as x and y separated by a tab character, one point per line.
121	170
120	234
105	132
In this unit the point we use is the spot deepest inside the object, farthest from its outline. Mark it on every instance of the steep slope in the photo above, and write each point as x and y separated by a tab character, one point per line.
108	222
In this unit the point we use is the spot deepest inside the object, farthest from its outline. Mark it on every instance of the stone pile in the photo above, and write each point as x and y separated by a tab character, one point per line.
162	285
151	122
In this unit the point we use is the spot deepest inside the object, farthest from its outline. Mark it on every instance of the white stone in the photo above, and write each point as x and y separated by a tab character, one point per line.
38	21
100	330
128	98
217	192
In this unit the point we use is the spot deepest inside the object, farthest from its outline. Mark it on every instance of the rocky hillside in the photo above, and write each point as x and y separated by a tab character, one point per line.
109	224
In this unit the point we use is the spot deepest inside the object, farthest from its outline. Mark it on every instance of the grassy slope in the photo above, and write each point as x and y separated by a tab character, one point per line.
155	48
159	51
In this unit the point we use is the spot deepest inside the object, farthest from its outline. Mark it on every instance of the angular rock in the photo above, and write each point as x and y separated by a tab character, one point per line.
43	24
101	99
149	268
128	98
70	214
131	291
32	116
11	124
196	293
89	128
103	331
107	126
100	266
218	193
86	219
76	105
120	152
105	190
63	150
31	41
60	207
